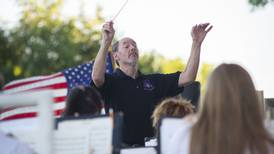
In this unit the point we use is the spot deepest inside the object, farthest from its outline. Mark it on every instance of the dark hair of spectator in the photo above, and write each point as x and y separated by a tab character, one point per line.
83	101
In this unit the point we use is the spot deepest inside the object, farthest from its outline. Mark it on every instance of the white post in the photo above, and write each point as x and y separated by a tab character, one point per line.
43	100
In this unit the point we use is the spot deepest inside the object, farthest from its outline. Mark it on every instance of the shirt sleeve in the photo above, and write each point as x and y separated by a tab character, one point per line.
105	88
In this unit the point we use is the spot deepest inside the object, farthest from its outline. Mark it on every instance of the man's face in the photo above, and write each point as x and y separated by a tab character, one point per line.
127	52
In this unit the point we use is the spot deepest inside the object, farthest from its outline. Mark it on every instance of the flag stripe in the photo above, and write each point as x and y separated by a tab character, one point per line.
17	111
52	81
20	116
54	86
57	113
56	100
33	80
56	92
24	110
59	99
60	92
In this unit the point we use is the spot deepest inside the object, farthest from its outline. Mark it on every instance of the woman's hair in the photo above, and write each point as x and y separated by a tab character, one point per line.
230	119
171	107
83	101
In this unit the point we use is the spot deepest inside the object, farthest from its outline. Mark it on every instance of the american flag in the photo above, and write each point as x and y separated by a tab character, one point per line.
60	83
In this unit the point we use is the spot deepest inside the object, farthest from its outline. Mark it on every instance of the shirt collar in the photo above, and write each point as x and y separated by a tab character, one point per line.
120	73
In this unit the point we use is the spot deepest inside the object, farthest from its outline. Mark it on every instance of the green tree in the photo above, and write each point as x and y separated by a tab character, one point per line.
151	62
203	75
259	3
6	58
172	65
43	42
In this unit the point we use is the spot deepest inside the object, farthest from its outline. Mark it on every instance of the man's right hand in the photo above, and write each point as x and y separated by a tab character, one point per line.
107	33
99	66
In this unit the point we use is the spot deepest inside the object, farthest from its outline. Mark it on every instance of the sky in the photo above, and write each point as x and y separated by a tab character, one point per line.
239	35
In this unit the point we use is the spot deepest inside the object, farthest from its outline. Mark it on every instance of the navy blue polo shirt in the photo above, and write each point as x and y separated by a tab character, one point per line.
137	98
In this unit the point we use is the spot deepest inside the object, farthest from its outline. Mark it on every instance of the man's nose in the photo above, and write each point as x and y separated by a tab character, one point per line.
132	48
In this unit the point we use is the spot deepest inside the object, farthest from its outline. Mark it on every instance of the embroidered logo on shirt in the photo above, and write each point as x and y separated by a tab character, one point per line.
148	85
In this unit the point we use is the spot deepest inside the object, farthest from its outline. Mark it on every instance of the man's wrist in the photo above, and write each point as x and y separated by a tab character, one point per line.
196	43
104	47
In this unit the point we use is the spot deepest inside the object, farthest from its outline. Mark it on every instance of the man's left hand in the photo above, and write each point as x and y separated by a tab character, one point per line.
199	32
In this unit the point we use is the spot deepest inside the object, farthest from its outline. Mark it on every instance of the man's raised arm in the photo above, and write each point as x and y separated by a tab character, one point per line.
198	34
99	66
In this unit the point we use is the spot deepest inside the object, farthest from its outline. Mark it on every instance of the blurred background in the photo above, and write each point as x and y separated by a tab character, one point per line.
40	37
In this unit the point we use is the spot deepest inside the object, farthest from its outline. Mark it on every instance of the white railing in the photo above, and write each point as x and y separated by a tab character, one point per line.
43	100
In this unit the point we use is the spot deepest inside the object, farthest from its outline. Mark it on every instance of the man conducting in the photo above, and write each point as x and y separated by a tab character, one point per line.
135	94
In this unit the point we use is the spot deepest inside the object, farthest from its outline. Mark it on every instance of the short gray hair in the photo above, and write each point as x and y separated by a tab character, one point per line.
115	47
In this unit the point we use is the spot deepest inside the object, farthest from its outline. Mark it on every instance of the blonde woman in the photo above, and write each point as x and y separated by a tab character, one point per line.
230	119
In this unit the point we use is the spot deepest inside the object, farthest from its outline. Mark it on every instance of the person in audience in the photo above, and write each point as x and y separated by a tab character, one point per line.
10	145
83	101
171	107
229	120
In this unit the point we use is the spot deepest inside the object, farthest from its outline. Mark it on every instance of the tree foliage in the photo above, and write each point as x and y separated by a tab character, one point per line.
151	62
259	3
43	42
203	75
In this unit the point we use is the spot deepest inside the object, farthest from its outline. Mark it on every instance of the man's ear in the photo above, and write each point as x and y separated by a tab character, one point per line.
115	56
